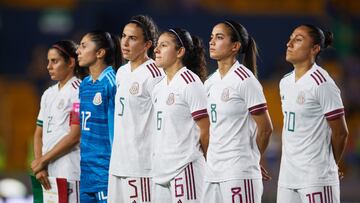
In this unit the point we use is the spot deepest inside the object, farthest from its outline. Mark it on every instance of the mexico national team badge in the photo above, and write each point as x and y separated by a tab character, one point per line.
300	98
171	99
97	99
134	89
225	95
61	104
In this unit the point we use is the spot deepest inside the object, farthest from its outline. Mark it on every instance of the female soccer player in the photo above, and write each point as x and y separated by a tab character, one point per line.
314	132
57	134
240	124
130	165
182	121
100	51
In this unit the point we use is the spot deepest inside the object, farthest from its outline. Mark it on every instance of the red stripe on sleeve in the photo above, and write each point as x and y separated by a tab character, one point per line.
314	79
332	115
237	73
322	76
184	78
75	115
152	73
258	109
191	75
199	114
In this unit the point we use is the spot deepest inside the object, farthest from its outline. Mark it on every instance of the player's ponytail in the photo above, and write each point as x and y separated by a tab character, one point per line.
194	57
248	46
322	38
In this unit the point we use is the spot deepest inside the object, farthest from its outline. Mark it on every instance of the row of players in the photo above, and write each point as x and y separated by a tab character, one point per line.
174	134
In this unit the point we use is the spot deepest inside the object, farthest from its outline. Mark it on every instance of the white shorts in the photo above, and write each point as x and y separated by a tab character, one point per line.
318	194
74	191
233	191
123	189
186	187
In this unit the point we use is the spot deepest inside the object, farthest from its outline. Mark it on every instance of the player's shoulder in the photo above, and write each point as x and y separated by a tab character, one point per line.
109	77
287	77
75	84
187	77
241	73
319	76
151	69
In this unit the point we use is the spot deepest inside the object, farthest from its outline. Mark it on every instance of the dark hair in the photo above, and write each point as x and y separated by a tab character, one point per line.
248	44
323	38
111	44
194	57
67	50
150	30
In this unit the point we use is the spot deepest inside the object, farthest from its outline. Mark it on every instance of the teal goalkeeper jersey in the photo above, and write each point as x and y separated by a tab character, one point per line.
97	124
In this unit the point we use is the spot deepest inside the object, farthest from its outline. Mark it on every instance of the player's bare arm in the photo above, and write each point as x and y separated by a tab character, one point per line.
339	137
204	125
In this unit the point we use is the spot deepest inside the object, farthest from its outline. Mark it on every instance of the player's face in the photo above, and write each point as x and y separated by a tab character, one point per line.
58	69
300	46
86	52
165	51
221	46
133	44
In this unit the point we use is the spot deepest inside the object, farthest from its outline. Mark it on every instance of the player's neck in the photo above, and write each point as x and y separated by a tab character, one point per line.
302	68
172	70
96	70
138	61
225	65
63	82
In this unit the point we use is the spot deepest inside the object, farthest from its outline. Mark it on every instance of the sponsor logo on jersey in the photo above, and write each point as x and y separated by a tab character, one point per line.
225	95
171	99
300	98
97	99
134	88
61	104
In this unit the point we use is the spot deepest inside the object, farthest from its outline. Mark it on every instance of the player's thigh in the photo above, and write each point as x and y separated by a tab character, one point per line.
211	193
287	195
187	186
320	194
241	190
161	193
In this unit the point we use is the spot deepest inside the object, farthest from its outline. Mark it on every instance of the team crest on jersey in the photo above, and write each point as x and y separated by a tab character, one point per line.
171	99
225	95
61	104
97	99
300	98
134	89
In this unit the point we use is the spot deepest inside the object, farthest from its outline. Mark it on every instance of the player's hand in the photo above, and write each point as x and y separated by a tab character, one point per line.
37	165
42	177
265	174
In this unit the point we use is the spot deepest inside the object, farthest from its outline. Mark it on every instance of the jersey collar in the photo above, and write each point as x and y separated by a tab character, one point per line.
102	75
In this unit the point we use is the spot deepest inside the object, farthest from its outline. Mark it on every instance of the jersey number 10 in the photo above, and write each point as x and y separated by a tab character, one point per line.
289	121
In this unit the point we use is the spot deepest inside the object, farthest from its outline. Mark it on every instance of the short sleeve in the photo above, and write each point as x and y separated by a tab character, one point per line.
330	101
252	92
40	118
195	97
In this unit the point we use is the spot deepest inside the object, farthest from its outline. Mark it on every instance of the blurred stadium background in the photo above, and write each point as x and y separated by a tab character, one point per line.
28	27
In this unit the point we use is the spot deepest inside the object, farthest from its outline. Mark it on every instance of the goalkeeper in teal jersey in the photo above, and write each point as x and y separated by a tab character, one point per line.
101	53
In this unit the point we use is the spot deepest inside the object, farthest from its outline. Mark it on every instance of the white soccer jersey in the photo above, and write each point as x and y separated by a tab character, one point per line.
58	110
134	120
233	152
178	104
307	157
